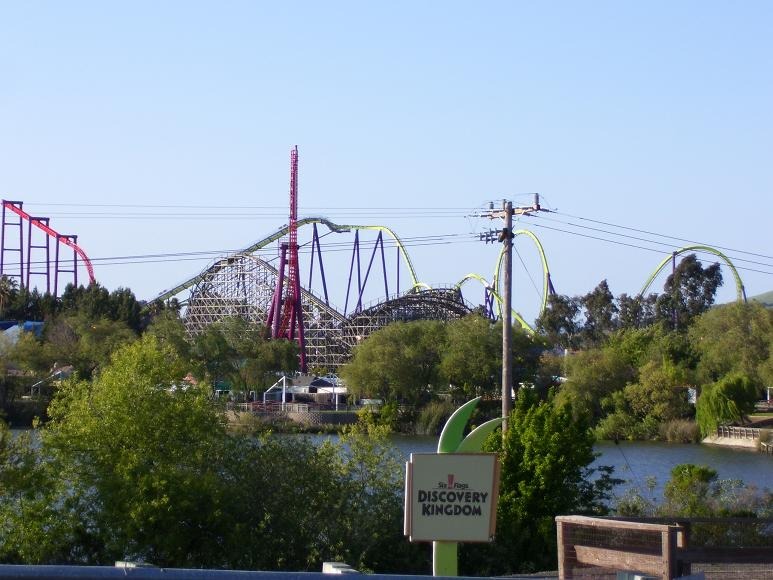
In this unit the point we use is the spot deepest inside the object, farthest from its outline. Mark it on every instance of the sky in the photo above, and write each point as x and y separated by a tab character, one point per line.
160	132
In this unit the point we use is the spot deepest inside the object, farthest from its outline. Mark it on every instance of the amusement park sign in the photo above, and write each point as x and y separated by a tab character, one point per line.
451	497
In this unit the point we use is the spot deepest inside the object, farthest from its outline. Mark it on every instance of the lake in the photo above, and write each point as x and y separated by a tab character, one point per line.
636	461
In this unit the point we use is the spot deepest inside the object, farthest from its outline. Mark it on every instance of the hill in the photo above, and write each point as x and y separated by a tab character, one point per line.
765	299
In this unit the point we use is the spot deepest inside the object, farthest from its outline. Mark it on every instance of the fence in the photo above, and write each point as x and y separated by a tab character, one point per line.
725	548
738	432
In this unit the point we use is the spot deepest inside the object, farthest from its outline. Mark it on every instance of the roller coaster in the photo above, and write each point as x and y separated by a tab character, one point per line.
34	258
254	287
264	288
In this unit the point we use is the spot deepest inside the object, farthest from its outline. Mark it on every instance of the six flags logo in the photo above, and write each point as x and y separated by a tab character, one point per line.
451	483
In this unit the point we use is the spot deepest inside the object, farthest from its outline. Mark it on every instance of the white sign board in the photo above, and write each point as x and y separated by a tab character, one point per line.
451	497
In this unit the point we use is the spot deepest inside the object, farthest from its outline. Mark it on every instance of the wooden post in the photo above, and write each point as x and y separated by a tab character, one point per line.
668	551
562	560
682	541
507	319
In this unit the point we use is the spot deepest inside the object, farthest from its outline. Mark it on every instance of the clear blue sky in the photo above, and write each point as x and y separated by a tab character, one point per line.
652	115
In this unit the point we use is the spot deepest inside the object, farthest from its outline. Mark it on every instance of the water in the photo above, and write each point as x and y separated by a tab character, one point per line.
636	461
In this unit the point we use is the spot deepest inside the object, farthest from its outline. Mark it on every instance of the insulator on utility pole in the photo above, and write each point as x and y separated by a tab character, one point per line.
505	235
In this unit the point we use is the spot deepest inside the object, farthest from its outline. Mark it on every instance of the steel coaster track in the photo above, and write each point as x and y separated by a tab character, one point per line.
740	290
283	231
60	238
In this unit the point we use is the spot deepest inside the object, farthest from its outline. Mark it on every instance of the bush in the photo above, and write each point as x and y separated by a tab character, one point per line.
433	416
680	431
545	458
726	401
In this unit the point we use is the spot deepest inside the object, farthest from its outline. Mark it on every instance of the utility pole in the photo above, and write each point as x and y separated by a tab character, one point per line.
506	237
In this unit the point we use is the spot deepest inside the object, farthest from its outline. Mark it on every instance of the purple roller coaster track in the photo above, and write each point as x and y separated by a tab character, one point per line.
381	287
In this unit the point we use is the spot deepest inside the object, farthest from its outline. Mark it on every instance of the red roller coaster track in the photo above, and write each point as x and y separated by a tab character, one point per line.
41	224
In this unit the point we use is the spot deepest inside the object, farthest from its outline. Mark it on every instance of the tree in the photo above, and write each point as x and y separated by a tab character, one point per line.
137	464
546	457
688	292
86	343
559	322
399	362
636	311
26	305
728	400
141	451
124	307
593	375
688	490
733	338
214	354
600	311
169	330
35	526
660	393
234	352
8	288
471	361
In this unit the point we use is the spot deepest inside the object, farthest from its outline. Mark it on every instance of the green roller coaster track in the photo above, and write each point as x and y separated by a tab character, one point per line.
283	231
415	284
494	286
740	291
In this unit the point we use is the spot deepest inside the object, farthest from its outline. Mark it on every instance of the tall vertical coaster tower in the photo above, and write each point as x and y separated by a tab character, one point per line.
285	316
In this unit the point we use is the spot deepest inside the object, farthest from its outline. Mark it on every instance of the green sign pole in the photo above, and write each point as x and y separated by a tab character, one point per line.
445	561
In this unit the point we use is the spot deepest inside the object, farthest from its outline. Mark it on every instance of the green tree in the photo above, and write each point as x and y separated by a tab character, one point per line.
560	323
600	314
660	394
84	342
169	330
635	311
471	361
8	288
687	492
399	362
733	338
726	401
688	292
35	526
546	457
141	457
234	352
593	375
653	343
137	464
124	307
26	304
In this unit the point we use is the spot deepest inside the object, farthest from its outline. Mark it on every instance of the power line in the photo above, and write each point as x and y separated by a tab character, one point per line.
278	211
668	244
414	241
528	273
619	243
664	235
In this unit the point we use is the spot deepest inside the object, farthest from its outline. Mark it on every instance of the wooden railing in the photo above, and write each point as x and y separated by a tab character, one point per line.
733	432
585	542
665	547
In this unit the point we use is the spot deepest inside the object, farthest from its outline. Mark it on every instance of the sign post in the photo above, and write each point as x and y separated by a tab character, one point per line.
451	496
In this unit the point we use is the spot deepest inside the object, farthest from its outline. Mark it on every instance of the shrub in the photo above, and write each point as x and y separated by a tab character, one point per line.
680	431
725	401
433	416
